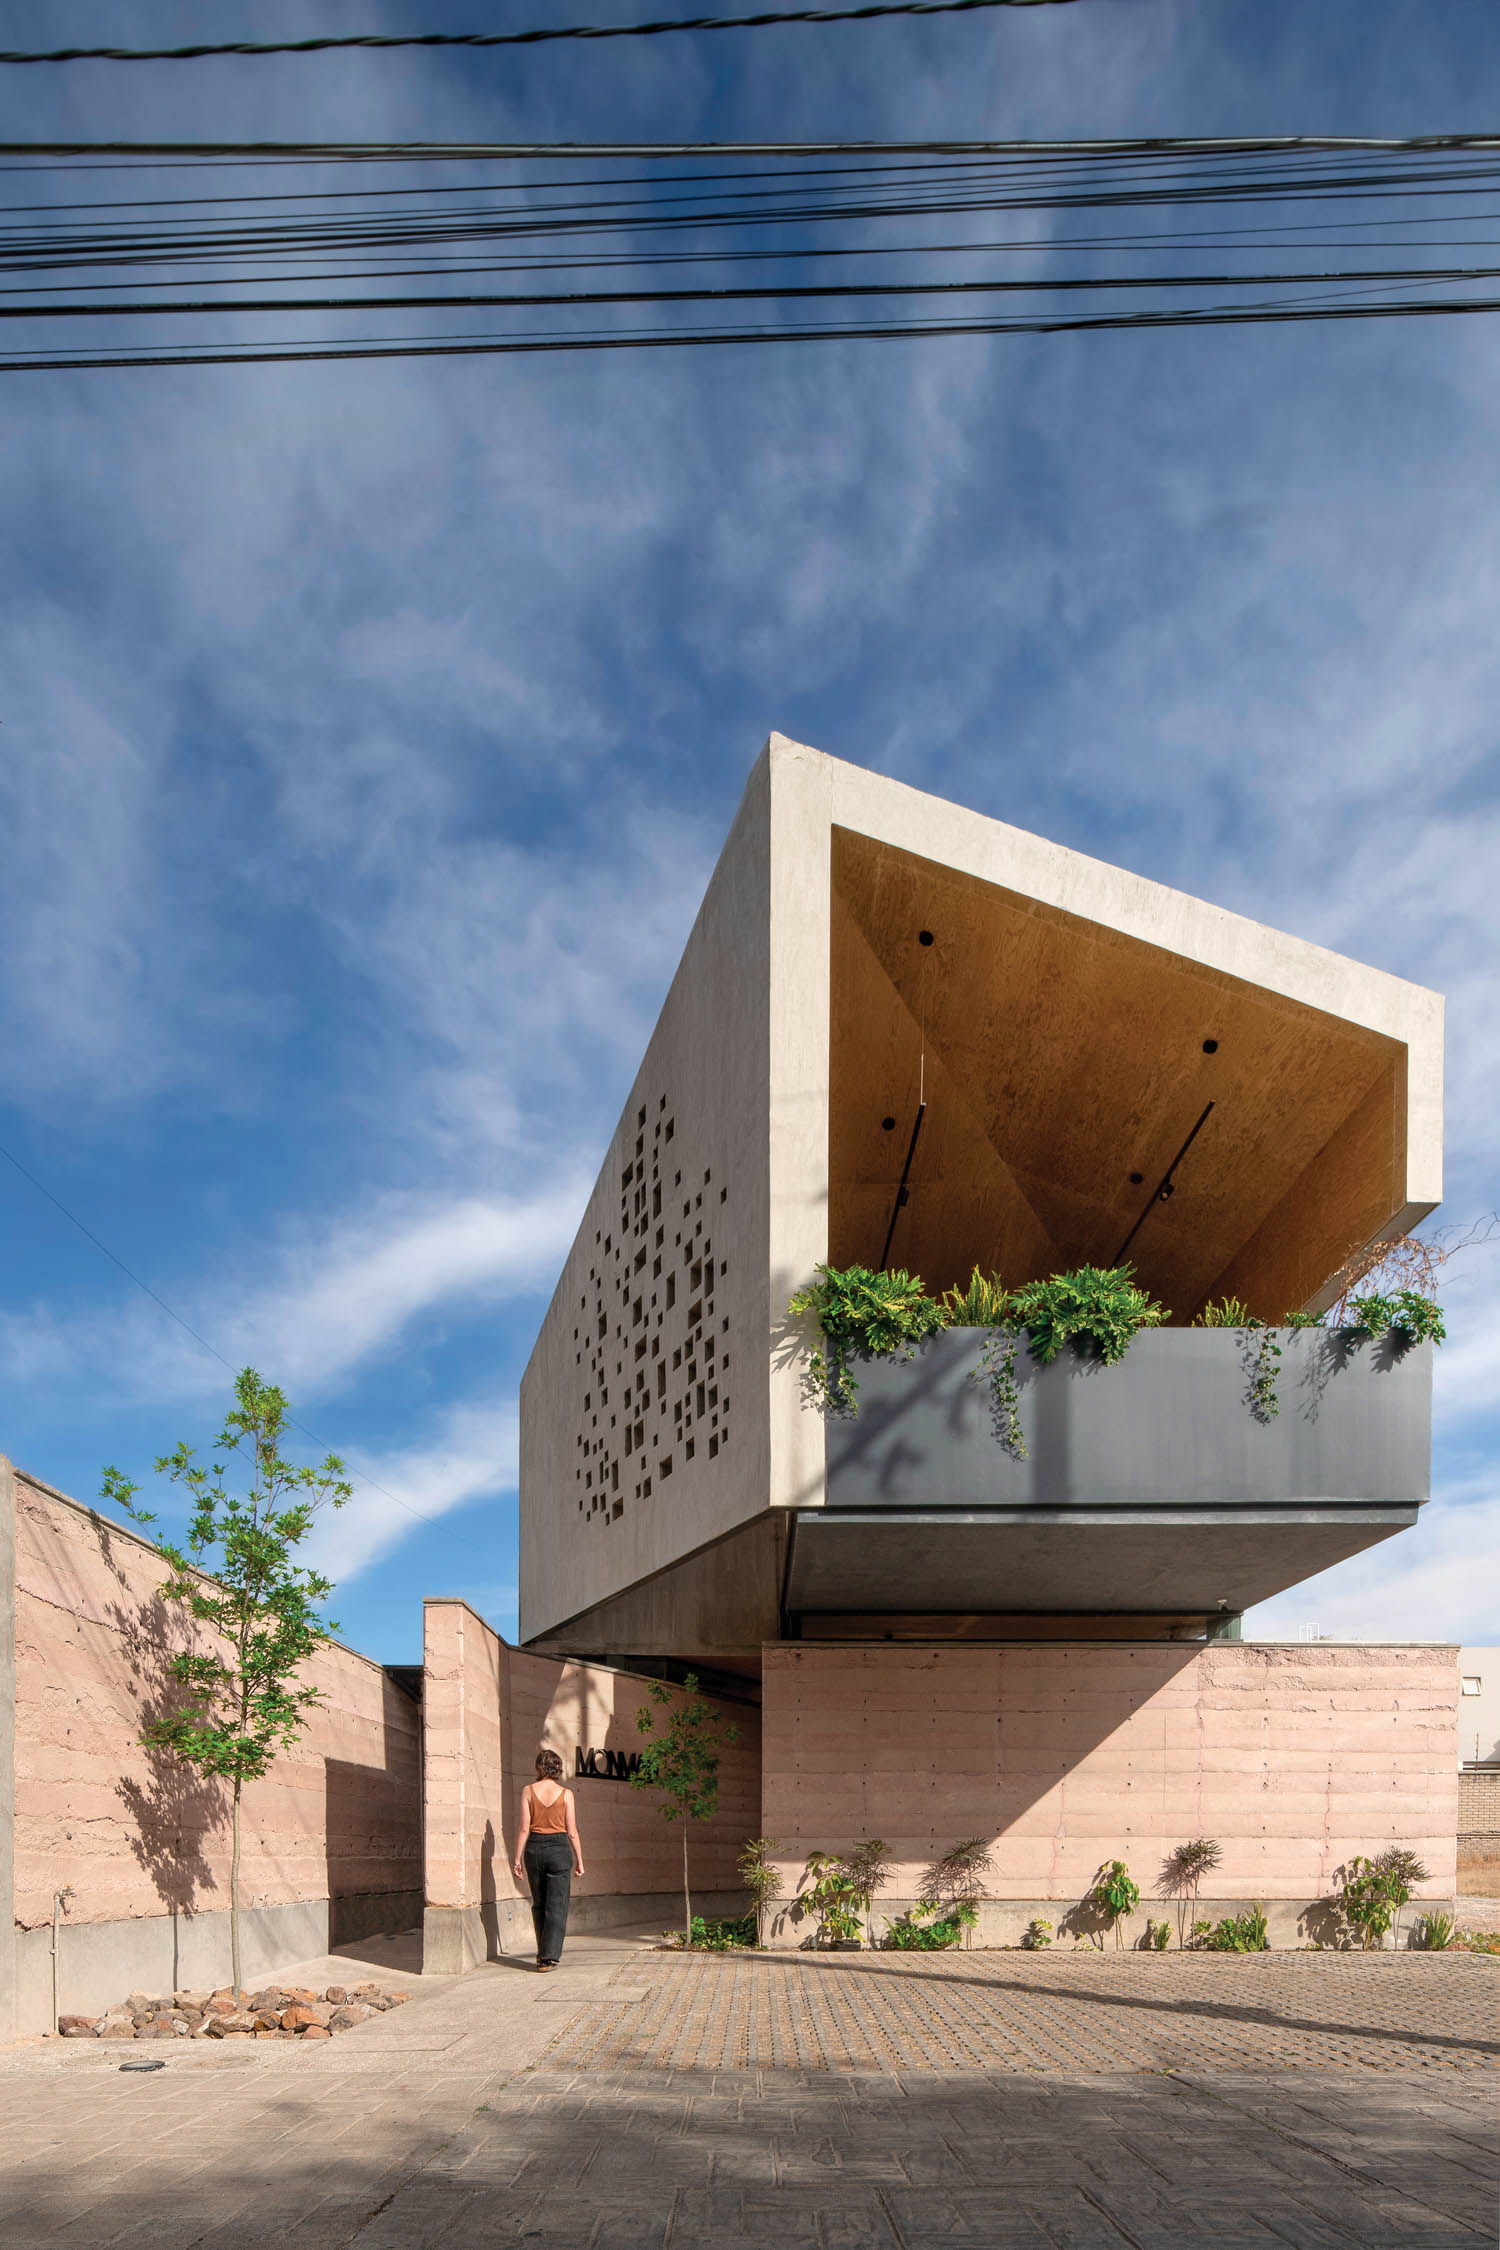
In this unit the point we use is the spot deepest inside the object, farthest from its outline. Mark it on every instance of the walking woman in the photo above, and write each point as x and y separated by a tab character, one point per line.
548	1854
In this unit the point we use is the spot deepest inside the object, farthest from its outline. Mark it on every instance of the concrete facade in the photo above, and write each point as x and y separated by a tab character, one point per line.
1068	1755
1066	1028
331	1836
1479	1706
489	1708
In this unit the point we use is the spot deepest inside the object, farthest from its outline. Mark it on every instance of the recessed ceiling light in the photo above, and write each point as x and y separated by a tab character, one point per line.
1137	1179
1210	1046
888	1124
924	937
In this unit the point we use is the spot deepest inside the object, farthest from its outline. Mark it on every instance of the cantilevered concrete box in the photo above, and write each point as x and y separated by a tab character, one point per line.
866	955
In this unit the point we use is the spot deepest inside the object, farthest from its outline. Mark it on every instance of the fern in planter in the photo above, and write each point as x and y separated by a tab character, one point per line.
863	1315
985	1303
1096	1309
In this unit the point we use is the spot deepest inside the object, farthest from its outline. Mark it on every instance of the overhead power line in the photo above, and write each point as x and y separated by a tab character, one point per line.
393	347
763	21
447	152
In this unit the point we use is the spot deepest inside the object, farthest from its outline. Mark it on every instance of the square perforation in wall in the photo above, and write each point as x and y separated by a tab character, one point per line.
643	1437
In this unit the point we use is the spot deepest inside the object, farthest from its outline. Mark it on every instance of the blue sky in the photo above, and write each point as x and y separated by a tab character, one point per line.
369	731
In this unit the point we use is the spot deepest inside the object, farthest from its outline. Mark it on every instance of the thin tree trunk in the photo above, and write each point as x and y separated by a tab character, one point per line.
687	1904
234	1898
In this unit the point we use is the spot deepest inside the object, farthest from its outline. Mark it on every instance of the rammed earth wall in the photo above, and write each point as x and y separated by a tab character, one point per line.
332	1835
1069	1754
489	1708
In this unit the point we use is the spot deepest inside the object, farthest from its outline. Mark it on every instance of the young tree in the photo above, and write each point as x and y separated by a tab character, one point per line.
869	1871
241	1703
1182	1873
761	1877
683	1762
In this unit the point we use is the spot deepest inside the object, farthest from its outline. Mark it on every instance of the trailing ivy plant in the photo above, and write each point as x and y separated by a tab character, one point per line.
1096	1309
862	1315
985	1303
1263	1357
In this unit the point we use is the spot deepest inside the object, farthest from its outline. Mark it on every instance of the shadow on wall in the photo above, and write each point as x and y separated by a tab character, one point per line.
371	1837
172	1808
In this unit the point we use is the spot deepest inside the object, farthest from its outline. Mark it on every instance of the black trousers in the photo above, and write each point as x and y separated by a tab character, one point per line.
549	1871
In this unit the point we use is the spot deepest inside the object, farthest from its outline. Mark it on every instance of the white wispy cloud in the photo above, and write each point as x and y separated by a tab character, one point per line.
470	1454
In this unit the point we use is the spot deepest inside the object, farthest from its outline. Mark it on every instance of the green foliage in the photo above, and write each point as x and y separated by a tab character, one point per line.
1157	1937
982	1304
1407	1317
1113	1896
240	1701
761	1877
1303	1320
869	1871
928	1928
719	1937
1375	1890
1478	1941
998	1369
1227	1312
683	1762
863	1315
1182	1873
957	1879
1236	1933
1436	1931
1038	1933
1096	1309
830	1891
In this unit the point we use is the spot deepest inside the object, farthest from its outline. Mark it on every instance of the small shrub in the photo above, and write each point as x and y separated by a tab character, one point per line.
1375	1890
718	1937
761	1877
863	1315
1113	1896
1038	1933
869	1871
981	1304
831	1894
928	1928
1478	1941
1228	1312
1096	1309
1157	1937
1236	1933
1182	1874
1436	1931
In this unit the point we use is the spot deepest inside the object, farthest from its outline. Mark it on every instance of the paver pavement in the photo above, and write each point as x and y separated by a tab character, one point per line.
1047	2101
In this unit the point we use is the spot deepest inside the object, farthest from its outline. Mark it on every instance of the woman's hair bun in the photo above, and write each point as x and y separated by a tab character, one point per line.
549	1766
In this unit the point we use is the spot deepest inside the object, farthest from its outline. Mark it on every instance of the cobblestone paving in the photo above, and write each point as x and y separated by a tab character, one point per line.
1030	2012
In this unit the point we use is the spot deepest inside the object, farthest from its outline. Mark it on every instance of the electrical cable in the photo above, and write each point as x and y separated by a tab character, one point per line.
89	1235
519	38
1044	285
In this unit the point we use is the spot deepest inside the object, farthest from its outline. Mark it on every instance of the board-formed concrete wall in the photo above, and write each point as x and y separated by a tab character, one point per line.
1070	1754
488	1710
331	1836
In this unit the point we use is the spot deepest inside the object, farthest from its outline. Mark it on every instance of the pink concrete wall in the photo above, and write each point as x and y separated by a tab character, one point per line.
489	1708
135	1833
1066	1755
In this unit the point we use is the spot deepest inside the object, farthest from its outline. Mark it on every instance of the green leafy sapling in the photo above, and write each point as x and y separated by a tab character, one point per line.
761	1877
1114	1896
683	1762
241	1698
1182	1875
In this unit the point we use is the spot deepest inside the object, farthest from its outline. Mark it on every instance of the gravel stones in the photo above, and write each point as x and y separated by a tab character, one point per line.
273	2012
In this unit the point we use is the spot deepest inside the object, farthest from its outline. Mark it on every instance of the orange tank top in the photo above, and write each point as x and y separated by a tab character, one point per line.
549	1820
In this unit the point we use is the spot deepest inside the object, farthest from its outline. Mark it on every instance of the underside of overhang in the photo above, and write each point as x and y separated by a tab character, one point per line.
1178	1561
1063	1067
